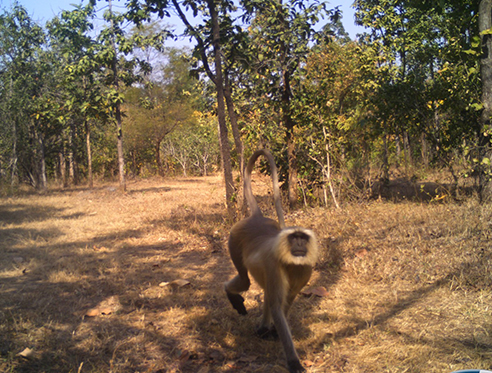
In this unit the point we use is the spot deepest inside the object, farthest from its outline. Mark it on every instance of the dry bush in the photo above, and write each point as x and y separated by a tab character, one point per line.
86	283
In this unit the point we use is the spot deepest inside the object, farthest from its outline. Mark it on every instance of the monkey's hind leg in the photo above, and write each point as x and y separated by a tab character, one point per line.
237	285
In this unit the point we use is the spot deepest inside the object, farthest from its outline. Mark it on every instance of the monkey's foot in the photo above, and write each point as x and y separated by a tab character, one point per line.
266	332
237	302
295	366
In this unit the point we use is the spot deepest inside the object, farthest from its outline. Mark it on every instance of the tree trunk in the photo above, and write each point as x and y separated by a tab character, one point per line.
119	127
218	80
63	168
407	150
328	170
158	160
398	150
289	136
235	128
42	182
219	84
14	181
237	140
424	149
71	165
485	23
385	173
121	157
89	154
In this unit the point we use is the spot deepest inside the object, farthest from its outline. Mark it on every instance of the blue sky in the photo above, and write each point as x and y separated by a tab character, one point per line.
44	10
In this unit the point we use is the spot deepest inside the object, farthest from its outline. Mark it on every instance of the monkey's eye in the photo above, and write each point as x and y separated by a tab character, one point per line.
298	236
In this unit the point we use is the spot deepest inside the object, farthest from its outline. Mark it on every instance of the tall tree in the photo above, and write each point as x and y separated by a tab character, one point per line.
209	36
122	68
485	30
280	35
73	46
25	96
424	50
159	107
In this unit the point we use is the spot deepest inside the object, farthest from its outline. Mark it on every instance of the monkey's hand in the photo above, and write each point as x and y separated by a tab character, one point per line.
237	302
295	366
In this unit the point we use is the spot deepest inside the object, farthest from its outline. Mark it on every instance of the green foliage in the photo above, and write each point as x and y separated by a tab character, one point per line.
336	144
427	85
193	147
157	109
407	92
24	83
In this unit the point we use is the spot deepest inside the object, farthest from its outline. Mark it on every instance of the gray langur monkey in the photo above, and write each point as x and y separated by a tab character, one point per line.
279	258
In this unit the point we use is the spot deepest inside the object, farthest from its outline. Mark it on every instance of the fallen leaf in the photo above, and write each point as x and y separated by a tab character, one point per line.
319	291
184	356
308	363
361	253
92	312
232	365
26	353
175	284
180	283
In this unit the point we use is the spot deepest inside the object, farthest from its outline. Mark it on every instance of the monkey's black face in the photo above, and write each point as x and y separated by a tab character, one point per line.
298	243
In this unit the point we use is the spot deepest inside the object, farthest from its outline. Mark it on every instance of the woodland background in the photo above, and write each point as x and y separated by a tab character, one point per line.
116	150
86	97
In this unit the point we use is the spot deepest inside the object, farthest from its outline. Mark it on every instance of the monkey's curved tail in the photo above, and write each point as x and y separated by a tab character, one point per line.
253	205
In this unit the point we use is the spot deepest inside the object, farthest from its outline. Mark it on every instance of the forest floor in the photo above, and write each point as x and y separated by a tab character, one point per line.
103	281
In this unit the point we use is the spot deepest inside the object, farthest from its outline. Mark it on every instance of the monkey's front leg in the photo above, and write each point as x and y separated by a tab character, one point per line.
280	322
275	302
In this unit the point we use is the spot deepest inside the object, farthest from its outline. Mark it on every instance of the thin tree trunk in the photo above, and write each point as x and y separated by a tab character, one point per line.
424	149
14	176
158	160
42	180
71	165
237	140
121	157
289	134
218	80
219	84
398	150
119	126
235	128
63	168
408	152
14	180
485	23
89	154
328	169
385	175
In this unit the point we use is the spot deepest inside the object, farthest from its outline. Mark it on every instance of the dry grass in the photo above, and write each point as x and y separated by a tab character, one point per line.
409	285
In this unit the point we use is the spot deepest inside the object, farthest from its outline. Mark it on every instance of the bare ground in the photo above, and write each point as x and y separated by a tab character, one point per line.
88	284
